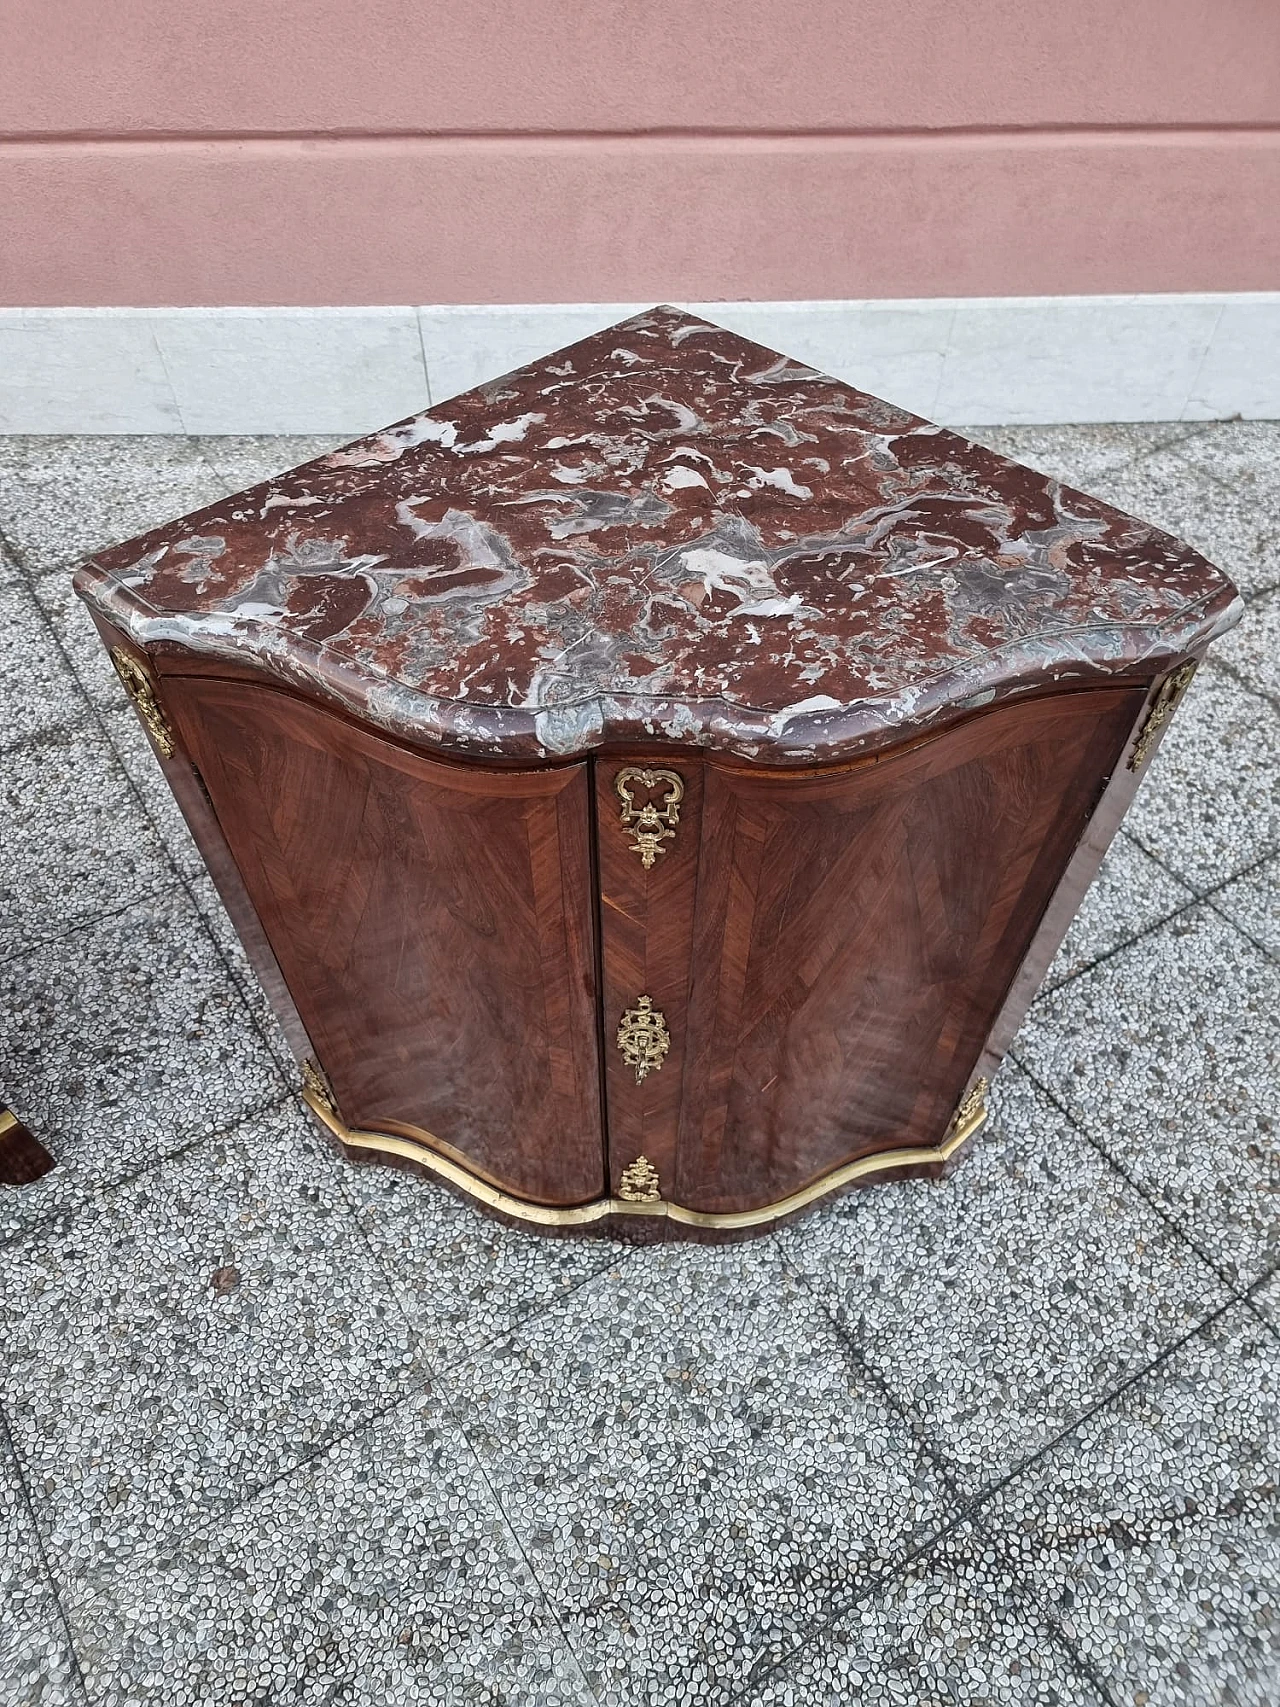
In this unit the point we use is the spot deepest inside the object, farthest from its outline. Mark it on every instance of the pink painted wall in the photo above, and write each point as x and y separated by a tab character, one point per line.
307	151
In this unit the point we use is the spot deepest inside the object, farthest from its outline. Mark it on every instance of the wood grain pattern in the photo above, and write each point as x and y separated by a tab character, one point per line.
857	930
646	932
831	948
433	922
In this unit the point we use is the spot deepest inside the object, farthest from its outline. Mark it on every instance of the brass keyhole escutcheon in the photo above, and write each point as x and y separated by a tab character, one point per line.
643	1038
651	823
639	1182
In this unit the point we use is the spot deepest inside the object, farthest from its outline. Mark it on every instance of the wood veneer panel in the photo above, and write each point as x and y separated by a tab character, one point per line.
434	924
856	934
646	932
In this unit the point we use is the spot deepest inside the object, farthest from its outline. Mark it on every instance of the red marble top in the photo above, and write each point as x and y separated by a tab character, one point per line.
665	531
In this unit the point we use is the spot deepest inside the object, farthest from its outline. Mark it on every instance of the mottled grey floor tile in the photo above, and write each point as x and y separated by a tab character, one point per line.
10	572
124	1040
186	1338
233	955
949	1630
695	1468
36	1666
243	461
63	498
1169	1055
381	1573
1209	802
1244	457
37	690
1080	455
1179	495
76	842
1152	1535
1253	649
70	619
1003	1303
138	759
463	1278
1253	903
1131	893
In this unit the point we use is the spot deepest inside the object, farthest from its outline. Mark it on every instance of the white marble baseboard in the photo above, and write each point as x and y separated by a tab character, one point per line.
967	360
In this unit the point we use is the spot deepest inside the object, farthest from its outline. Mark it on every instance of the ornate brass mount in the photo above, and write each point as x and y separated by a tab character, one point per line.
142	691
1159	712
643	1038
651	825
972	1110
639	1182
314	1081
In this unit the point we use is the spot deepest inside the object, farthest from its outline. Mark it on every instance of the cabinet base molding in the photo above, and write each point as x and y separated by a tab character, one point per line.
969	1117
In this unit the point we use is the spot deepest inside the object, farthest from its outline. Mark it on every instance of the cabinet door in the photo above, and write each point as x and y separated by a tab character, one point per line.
434	923
648	872
856	931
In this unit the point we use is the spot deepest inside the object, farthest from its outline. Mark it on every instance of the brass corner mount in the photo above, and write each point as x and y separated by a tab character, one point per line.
1159	711
141	689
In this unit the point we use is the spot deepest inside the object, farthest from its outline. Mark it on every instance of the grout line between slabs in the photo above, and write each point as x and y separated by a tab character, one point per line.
37	1229
20	1473
98	716
966	1506
1197	898
24	949
1225	669
1174	1225
439	1377
972	1510
435	1383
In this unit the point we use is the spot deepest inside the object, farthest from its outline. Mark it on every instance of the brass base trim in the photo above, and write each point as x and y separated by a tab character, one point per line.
583	1214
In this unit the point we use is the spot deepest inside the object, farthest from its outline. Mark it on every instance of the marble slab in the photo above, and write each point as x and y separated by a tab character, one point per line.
665	532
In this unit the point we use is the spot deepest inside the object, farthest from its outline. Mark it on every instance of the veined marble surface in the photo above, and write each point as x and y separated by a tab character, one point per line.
665	532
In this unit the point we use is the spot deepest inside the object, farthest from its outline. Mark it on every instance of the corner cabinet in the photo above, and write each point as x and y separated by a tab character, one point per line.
661	986
652	785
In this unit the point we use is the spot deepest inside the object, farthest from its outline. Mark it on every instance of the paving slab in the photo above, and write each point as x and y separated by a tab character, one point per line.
39	692
1150	1536
89	659
180	1342
1082	455
240	461
1253	649
37	1668
1244	458
1131	893
948	1629
463	1279
1179	490
125	1041
1168	1055
76	842
696	1468
1003	1303
1252	902
1208	806
63	497
381	1572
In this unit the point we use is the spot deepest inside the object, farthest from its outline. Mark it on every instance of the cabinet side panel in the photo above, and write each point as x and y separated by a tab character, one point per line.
433	922
858	930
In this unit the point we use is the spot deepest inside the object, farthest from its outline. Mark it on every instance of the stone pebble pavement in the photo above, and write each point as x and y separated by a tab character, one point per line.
277	1432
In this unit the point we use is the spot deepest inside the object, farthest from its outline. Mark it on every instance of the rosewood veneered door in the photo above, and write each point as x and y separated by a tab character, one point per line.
823	951
434	923
830	948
